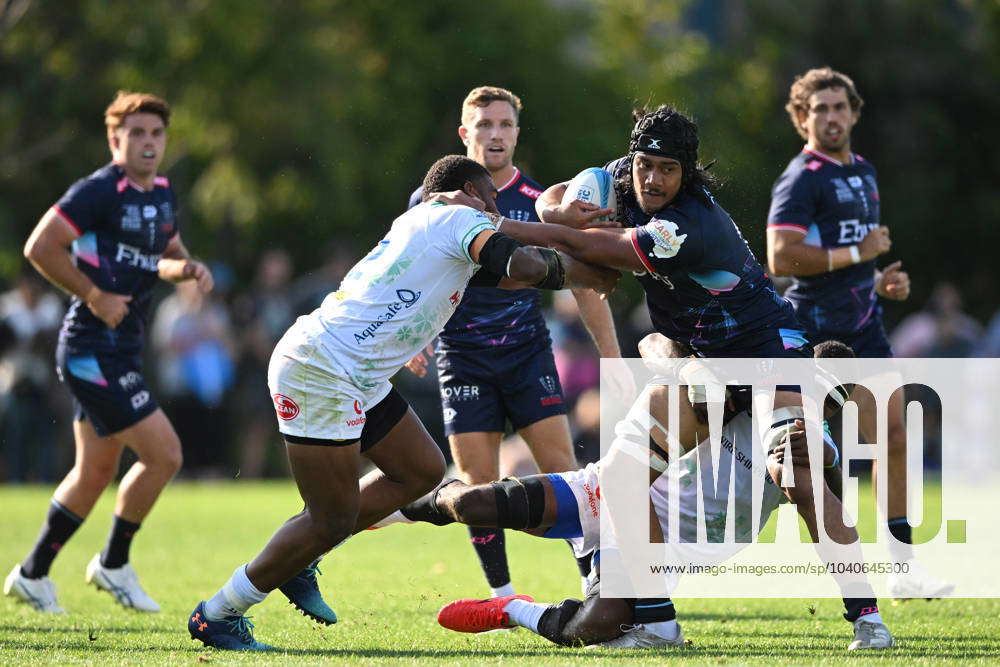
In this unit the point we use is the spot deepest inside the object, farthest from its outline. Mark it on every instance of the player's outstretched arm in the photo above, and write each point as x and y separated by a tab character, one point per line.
604	247
576	214
540	267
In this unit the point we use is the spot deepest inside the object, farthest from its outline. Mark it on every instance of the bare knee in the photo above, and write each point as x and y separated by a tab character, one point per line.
95	476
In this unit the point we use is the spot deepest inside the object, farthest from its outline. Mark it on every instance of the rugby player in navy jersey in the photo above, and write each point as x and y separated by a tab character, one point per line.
824	230
704	288
494	356
106	242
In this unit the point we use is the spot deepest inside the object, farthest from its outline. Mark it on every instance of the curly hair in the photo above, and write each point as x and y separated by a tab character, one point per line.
666	131
452	172
814	81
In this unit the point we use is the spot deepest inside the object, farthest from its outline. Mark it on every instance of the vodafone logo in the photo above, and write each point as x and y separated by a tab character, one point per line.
360	419
286	408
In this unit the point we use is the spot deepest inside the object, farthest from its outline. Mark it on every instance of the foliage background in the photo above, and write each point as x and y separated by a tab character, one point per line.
306	124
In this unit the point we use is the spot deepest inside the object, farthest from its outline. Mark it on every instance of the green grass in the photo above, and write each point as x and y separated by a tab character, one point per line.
387	586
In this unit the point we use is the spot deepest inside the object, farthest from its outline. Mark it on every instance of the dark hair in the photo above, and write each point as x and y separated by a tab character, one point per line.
452	172
833	349
678	138
814	81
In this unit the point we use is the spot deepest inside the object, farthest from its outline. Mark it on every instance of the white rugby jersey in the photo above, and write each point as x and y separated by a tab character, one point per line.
737	448
395	300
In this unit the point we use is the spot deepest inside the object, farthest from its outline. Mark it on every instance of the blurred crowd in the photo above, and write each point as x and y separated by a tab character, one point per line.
207	357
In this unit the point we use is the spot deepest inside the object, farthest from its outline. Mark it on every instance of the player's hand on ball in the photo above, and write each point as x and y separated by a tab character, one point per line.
580	215
894	283
458	198
418	364
876	243
108	307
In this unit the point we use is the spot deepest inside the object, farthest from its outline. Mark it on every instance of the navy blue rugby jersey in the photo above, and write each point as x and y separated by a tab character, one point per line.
490	316
703	285
833	205
123	231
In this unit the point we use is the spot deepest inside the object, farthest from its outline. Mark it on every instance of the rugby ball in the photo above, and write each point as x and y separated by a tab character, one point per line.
594	186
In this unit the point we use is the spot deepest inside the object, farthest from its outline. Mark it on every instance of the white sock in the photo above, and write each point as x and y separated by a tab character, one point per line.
665	629
872	618
395	517
234	598
899	552
502	591
524	613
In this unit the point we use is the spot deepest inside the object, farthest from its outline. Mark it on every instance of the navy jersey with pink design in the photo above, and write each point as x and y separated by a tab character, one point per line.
123	231
703	285
490	316
833	205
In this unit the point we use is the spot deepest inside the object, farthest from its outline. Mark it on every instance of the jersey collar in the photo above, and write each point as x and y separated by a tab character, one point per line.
827	158
512	181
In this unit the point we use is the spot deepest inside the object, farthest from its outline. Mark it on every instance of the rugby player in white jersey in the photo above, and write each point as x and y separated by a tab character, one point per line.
567	506
329	378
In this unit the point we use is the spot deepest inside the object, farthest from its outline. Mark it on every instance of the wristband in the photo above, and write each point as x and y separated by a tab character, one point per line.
829	259
855	254
495	218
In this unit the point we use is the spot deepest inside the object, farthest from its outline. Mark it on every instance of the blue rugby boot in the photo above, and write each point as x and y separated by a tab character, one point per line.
302	590
233	633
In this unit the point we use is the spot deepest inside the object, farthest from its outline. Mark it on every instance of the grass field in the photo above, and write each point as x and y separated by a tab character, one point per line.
386	586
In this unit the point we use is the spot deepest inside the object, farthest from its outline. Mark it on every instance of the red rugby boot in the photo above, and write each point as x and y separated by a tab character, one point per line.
478	615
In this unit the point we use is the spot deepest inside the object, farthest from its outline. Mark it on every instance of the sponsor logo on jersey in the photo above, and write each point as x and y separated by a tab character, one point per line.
461	392
131	221
360	419
139	399
449	415
132	256
166	211
666	243
130	380
455	298
591	500
149	211
548	383
526	189
853	231
407	299
519	214
286	408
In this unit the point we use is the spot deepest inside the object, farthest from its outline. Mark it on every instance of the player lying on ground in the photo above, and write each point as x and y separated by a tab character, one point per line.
329	378
561	506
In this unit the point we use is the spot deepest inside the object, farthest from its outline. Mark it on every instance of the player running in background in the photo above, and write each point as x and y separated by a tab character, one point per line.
567	505
494	356
824	230
106	242
329	379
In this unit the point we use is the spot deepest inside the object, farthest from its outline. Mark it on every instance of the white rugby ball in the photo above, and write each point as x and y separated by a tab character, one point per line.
594	186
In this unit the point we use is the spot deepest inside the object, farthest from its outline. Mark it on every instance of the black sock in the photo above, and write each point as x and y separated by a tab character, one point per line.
115	554
859	607
582	562
59	526
491	548
425	508
900	529
653	610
